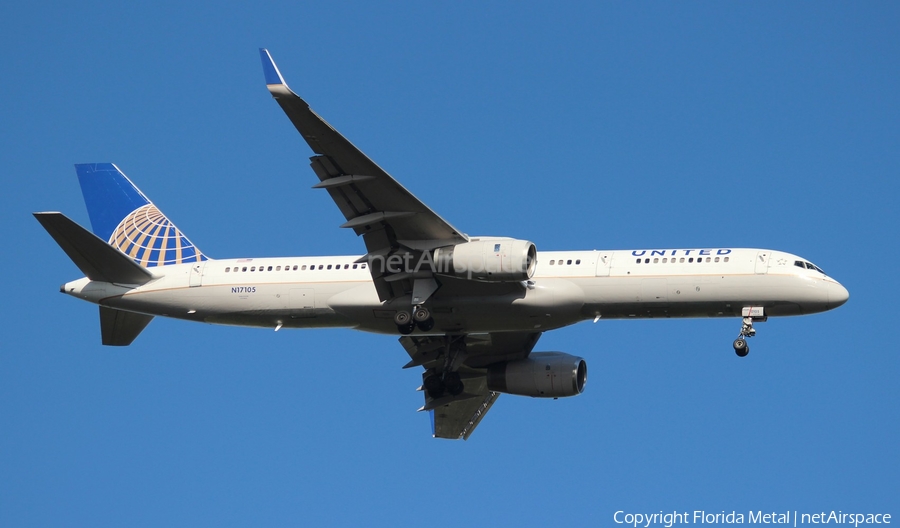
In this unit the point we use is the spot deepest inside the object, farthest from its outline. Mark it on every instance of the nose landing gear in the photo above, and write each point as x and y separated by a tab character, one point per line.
741	348
751	315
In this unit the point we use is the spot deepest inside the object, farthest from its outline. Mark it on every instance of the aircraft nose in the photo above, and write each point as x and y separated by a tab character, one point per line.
837	294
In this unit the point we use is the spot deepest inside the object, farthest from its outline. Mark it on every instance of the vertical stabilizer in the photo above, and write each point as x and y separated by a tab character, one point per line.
121	215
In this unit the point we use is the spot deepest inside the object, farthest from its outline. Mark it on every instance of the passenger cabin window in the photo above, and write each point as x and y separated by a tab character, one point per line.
227	270
726	259
577	262
329	266
569	262
355	265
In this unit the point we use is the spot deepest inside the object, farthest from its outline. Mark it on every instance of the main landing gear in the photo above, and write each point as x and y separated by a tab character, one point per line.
448	383
444	379
751	315
420	317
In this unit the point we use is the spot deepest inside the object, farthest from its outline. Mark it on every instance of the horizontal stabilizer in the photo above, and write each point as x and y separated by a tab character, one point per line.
95	258
119	328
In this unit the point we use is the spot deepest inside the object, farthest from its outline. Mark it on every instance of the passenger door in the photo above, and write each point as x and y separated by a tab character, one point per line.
604	262
762	262
197	274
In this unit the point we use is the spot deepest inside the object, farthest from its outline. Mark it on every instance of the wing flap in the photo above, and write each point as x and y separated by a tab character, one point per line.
459	419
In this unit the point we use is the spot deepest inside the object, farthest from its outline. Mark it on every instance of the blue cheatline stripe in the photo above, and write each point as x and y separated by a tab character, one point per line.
109	196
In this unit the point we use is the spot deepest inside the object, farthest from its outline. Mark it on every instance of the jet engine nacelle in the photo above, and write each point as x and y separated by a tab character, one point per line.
489	260
540	375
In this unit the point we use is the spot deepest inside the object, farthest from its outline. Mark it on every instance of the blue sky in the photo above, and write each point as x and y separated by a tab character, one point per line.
576	126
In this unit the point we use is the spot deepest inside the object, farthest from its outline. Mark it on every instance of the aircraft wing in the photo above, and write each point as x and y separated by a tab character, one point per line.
455	417
390	219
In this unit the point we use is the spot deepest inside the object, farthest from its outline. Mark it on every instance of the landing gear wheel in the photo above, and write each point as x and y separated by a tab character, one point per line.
741	348
407	328
421	314
453	384
433	386
402	318
426	325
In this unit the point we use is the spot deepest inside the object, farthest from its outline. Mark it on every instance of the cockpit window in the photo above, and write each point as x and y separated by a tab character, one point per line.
808	265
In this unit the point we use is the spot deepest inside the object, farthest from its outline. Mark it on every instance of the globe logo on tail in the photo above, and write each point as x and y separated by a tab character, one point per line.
148	237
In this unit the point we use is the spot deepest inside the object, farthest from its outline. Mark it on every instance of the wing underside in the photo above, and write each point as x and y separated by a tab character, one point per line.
457	416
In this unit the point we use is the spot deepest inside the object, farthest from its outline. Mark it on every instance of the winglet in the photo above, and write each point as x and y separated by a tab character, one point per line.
270	70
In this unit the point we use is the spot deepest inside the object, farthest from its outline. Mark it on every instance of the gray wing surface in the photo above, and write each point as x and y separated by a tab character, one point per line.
390	218
459	419
456	417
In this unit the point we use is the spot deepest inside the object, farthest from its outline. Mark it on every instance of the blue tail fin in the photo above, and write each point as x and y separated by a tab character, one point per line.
127	220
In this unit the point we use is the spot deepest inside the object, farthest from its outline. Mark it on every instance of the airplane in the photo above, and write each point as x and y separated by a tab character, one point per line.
469	310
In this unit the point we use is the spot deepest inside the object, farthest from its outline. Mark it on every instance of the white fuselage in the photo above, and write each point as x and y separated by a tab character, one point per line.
567	287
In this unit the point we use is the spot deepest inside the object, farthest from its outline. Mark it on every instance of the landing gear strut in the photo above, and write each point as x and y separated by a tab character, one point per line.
751	315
